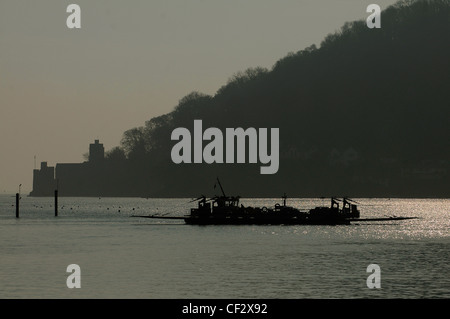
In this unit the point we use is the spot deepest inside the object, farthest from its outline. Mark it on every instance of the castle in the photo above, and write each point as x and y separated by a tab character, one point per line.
73	179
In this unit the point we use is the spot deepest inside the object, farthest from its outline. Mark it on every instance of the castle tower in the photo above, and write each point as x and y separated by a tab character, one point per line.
44	182
96	152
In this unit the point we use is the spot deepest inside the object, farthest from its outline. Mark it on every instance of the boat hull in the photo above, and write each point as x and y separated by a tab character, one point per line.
229	220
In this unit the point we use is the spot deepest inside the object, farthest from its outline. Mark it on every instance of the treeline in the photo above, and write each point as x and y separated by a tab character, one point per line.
364	114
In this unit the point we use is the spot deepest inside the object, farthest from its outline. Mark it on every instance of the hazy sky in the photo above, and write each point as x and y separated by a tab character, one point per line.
132	60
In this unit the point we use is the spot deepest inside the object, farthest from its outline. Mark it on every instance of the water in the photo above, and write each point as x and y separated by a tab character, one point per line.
124	257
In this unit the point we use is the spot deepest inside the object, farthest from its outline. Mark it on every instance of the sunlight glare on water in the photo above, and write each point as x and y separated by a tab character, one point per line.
124	257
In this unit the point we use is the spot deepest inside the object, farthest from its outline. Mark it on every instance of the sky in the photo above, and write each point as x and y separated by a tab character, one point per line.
61	88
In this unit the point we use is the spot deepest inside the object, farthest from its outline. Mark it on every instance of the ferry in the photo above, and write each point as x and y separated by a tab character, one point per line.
226	210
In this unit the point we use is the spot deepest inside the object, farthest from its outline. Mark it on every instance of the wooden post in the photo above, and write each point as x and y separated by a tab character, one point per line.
17	205
56	203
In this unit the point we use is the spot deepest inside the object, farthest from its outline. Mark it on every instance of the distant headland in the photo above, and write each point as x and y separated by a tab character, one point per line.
365	114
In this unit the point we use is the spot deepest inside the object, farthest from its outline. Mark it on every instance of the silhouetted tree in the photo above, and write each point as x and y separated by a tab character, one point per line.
133	142
380	95
116	155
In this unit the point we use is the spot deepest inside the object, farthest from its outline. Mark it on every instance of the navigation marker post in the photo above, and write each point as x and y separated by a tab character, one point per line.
17	204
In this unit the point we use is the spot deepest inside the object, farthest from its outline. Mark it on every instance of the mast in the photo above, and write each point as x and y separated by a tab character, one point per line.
220	185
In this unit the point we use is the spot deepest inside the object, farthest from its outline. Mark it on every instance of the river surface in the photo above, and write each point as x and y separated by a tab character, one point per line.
126	257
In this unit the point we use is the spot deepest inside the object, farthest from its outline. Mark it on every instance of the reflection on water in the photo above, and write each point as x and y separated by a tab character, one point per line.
124	257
